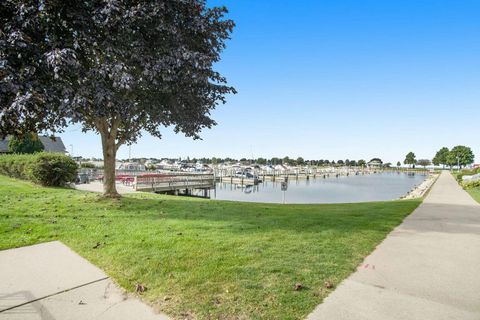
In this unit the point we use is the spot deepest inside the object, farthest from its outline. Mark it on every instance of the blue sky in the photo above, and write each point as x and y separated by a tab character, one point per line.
335	80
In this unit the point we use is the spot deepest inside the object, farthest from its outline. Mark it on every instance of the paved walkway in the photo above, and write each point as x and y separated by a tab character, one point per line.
427	268
49	281
96	186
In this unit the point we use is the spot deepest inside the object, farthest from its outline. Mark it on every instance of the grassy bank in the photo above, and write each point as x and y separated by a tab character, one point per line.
204	259
475	193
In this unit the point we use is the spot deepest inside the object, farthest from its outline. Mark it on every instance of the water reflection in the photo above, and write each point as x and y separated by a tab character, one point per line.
354	188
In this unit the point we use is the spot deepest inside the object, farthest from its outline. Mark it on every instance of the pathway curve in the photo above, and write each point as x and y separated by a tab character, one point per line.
427	268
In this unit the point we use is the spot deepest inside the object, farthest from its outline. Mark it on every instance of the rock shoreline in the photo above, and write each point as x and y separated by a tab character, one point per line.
420	190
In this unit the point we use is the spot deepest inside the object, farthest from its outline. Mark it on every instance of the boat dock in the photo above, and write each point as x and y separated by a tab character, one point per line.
174	183
256	176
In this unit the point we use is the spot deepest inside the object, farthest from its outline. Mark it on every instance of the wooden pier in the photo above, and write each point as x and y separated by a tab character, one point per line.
175	183
229	175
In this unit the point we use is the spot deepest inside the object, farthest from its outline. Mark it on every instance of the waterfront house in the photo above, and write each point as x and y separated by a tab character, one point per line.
375	163
49	144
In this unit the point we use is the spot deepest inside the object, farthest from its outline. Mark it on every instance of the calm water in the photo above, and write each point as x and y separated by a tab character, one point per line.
361	188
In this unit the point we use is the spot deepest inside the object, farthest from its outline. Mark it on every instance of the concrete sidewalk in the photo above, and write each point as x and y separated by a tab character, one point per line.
97	186
49	281
427	268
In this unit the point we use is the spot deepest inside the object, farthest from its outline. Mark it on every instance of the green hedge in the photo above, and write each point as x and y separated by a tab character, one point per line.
471	184
48	169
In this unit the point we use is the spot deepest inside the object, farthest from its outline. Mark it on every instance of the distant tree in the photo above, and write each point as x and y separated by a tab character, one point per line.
261	161
424	162
286	160
118	68
88	165
410	159
333	163
399	164
347	162
362	163
463	155
300	161
29	143
275	161
326	162
340	162
441	157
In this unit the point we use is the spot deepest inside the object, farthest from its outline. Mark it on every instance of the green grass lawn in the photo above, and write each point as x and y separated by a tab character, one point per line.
475	193
204	259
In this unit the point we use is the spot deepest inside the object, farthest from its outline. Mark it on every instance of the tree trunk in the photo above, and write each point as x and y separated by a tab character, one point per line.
109	154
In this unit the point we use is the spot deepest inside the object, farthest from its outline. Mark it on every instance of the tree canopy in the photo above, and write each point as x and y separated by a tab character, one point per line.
410	159
28	143
459	155
441	157
462	155
115	67
424	162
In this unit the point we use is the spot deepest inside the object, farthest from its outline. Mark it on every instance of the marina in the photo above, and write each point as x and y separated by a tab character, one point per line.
318	185
379	186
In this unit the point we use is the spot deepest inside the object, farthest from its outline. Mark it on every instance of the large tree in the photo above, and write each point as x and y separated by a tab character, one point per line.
462	155
410	159
116	67
451	160
441	157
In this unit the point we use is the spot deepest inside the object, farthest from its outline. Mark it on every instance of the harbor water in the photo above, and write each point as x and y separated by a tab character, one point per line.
354	188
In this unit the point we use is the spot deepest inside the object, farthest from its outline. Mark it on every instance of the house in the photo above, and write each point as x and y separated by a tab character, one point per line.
375	163
49	144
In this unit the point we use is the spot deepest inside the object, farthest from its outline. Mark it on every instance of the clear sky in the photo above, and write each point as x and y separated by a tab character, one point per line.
338	79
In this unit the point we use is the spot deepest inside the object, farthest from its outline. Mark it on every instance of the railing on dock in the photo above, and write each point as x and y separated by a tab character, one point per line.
174	182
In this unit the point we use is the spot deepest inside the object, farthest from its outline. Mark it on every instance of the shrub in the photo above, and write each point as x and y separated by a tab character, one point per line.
48	169
471	184
87	165
15	165
30	143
